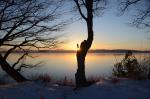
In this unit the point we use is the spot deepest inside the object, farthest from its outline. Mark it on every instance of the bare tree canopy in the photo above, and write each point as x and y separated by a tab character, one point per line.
98	7
28	24
141	11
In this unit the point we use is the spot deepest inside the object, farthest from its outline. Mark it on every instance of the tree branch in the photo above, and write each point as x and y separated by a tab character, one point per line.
79	9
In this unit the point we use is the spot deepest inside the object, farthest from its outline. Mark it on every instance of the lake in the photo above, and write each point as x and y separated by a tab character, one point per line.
60	65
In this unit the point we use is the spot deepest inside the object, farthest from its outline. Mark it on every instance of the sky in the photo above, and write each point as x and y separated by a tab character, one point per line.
110	32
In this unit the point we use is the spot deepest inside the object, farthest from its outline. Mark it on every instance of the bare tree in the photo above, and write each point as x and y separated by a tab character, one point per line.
141	11
25	25
87	9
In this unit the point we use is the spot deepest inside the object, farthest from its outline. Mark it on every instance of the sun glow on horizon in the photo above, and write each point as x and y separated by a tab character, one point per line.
96	45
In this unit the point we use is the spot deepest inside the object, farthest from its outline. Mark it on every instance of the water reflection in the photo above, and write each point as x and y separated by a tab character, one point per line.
59	65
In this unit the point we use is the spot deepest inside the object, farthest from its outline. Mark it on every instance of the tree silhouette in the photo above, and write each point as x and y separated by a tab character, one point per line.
141	14
25	25
86	9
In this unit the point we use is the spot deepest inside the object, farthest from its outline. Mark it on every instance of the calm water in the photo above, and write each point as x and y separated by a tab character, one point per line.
59	65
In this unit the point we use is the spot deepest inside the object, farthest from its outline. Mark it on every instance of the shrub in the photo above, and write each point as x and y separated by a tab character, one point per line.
146	63
130	67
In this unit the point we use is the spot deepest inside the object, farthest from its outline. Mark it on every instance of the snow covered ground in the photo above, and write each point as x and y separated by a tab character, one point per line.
104	89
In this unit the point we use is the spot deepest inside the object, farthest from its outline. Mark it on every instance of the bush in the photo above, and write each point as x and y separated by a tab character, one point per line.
146	63
130	67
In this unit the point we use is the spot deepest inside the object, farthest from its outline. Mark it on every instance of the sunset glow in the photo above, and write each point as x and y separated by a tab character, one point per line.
74	49
110	32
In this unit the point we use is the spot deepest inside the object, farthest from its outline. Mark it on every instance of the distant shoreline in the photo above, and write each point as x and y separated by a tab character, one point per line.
73	51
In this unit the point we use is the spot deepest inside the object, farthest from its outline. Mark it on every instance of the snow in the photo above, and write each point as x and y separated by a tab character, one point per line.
104	89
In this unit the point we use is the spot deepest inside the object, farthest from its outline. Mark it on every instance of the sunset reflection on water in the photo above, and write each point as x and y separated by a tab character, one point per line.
59	65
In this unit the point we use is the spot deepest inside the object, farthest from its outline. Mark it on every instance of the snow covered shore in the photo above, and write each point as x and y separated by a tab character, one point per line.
104	89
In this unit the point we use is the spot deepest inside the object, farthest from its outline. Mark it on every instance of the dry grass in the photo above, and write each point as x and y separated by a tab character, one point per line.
92	80
43	77
46	78
114	80
66	82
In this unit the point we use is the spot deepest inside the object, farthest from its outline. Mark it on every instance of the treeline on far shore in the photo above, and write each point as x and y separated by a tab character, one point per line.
91	51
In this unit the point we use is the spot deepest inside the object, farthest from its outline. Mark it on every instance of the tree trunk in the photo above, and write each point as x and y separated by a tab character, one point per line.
84	47
11	71
80	75
149	73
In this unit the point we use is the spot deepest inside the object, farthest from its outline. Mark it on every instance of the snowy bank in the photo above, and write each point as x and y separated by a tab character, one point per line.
104	89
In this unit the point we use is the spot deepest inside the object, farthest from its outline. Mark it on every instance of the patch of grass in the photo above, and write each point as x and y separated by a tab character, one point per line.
43	77
93	80
66	82
114	80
